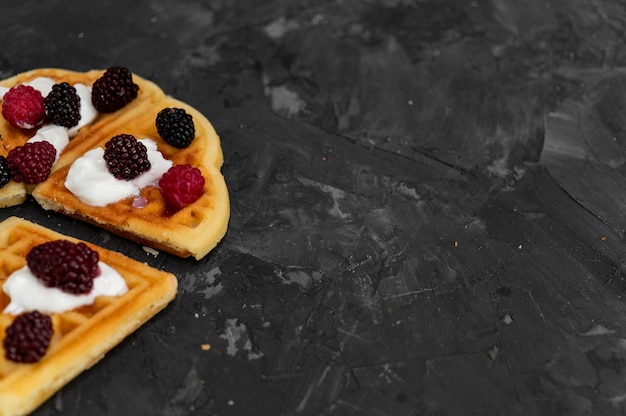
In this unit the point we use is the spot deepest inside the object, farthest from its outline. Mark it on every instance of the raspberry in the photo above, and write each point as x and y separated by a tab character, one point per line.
5	172
181	185
176	127
68	266
113	90
27	338
126	157
22	107
31	163
63	105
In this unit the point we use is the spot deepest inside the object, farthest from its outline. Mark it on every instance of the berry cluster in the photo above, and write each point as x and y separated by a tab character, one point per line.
27	338
181	185
113	90
63	105
68	266
176	127
24	107
31	163
126	157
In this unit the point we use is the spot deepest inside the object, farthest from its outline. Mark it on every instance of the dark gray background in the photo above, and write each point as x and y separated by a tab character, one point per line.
427	205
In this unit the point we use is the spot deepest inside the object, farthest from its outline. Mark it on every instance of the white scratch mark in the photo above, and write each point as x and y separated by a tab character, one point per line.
277	28
335	193
233	334
285	102
598	330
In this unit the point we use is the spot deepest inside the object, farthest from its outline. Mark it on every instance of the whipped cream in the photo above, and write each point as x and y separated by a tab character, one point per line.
87	111
28	293
42	84
90	180
55	135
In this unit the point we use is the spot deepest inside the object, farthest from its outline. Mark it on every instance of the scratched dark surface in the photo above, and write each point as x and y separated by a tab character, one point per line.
428	205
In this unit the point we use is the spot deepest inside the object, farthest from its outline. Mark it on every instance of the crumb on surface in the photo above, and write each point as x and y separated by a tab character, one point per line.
150	250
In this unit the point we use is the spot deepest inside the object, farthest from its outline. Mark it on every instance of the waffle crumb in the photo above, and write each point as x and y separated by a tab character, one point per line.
151	251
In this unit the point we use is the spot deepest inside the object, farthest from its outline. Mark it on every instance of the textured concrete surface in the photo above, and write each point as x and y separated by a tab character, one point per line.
427	205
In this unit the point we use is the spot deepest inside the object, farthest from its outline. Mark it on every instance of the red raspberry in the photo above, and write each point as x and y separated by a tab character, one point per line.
181	185
69	266
32	162
27	338
23	107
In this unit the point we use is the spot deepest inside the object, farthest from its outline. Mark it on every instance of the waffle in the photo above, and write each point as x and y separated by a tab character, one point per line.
192	231
81	336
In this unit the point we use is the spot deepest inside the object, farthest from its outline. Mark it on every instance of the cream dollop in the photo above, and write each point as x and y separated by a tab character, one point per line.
28	293
87	111
42	84
90	180
55	135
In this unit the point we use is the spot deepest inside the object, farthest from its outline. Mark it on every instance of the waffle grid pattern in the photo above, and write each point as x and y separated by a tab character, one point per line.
81	336
68	325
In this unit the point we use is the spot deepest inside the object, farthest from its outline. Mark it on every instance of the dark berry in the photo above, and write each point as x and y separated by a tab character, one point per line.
68	266
23	107
27	338
126	157
63	105
113	90
176	127
31	163
180	186
5	172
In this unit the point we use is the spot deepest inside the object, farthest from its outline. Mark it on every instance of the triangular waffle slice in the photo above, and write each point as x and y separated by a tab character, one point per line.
81	336
192	231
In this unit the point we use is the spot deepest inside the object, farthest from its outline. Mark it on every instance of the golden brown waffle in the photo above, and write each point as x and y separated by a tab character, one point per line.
193	231
81	336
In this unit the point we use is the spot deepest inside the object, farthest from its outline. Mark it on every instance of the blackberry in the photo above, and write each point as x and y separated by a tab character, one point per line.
5	172
62	105
126	157
68	266
113	90
176	127
27	338
180	186
31	163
